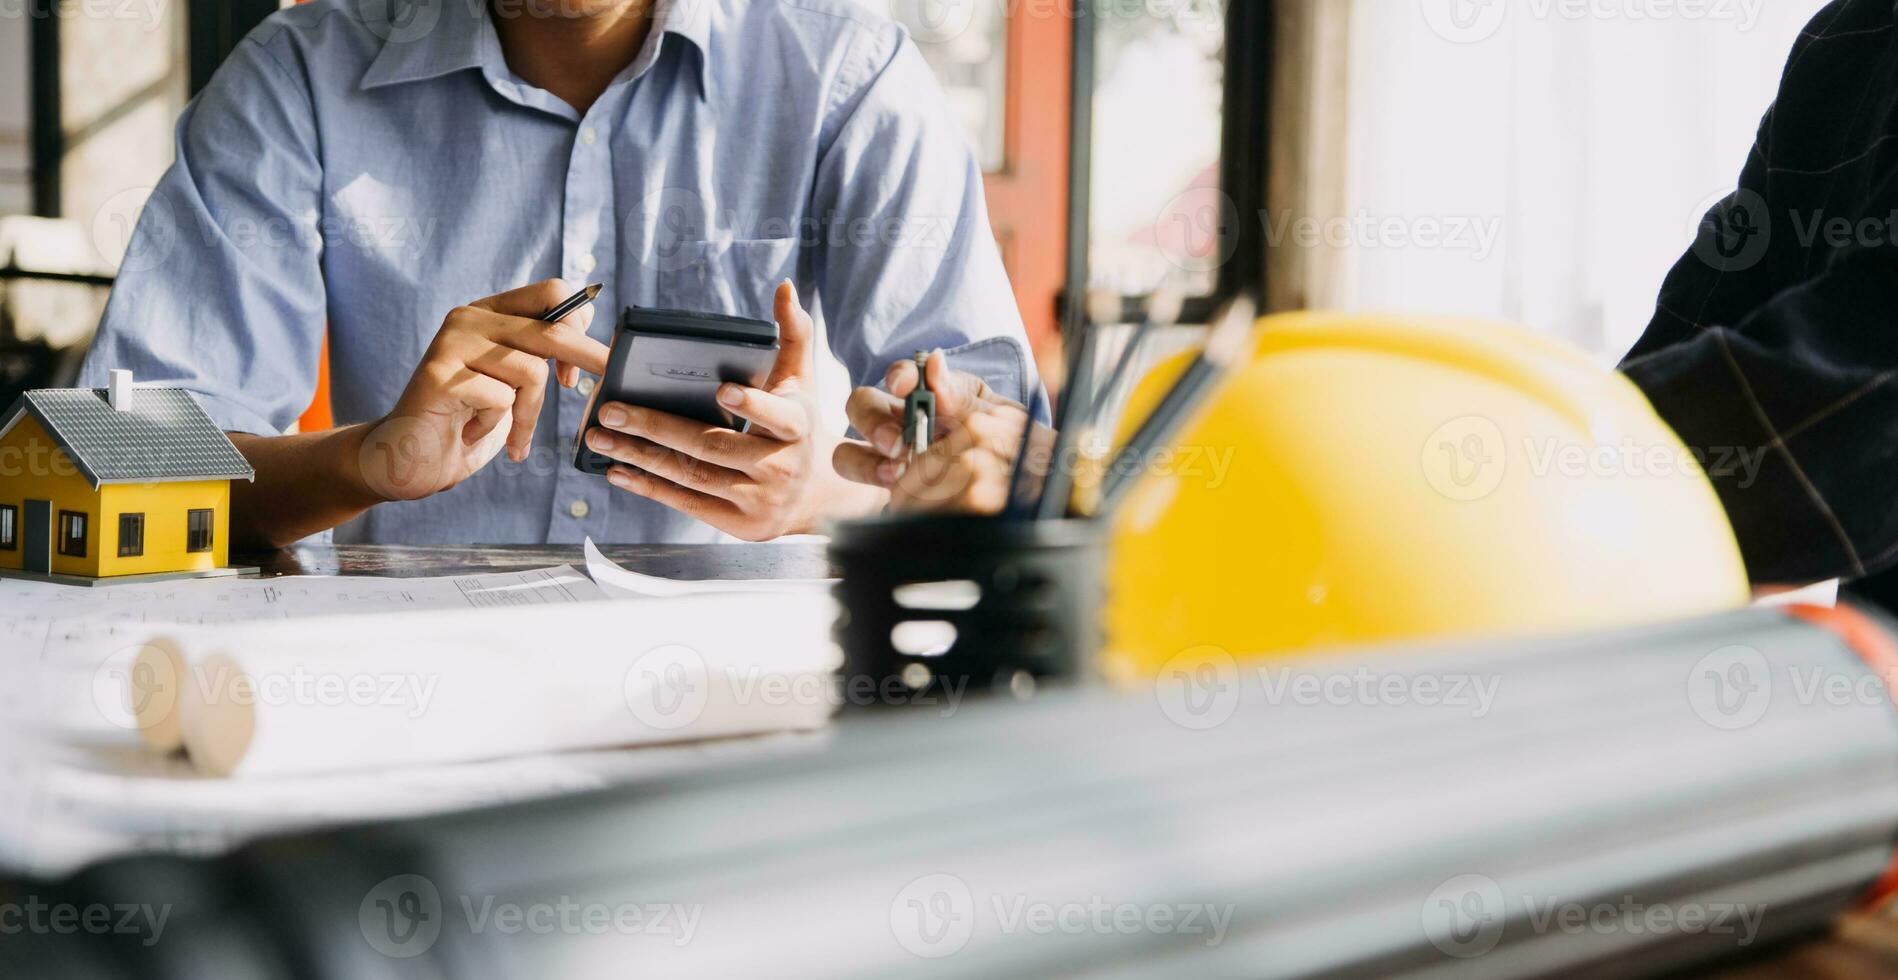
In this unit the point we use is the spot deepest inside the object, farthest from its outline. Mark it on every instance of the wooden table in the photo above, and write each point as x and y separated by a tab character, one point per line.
1862	947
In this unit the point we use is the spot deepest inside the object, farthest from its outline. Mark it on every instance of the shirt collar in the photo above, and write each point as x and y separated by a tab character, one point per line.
423	39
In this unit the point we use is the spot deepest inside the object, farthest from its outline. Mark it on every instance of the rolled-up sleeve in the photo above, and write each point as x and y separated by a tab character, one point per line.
221	289
906	259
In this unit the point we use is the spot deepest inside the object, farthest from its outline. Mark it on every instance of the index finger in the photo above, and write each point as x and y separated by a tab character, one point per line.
534	299
561	341
876	415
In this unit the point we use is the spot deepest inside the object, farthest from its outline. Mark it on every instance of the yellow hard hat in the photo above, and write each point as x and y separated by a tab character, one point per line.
1371	479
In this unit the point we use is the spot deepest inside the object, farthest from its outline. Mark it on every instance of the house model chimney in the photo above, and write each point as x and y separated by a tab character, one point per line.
119	390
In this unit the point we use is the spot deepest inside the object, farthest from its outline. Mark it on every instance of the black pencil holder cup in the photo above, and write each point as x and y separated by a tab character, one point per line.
933	607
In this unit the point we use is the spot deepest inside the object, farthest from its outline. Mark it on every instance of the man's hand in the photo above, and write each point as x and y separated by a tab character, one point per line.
754	485
968	466
480	386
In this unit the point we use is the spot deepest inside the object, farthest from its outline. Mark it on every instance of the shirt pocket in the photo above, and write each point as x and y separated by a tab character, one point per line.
736	277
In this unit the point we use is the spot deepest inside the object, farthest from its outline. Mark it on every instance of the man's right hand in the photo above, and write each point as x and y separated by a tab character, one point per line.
480	387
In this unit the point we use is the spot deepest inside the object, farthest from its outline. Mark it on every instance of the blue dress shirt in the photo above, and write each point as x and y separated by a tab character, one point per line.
371	164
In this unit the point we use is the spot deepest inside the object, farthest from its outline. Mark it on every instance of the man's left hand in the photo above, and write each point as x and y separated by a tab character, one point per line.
757	485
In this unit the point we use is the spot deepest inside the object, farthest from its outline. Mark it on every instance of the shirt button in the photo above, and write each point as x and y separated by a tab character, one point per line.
578	509
587	262
588	136
585	386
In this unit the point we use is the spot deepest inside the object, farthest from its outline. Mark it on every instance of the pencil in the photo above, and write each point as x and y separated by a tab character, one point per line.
1225	345
1162	309
1078	401
1053	502
1092	445
567	373
566	306
1022	500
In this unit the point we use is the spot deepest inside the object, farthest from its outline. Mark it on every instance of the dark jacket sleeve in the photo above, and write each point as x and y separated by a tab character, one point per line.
1774	349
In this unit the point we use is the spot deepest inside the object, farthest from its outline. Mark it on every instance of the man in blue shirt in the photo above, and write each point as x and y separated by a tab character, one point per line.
380	166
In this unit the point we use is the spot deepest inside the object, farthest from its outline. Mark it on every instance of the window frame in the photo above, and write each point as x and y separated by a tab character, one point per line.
67	542
45	130
1244	165
1244	169
191	530
9	527
213	29
132	525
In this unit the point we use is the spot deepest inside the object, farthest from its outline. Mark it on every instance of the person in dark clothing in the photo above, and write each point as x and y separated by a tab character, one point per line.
1778	330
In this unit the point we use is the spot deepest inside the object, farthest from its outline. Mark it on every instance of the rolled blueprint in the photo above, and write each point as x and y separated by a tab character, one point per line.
375	691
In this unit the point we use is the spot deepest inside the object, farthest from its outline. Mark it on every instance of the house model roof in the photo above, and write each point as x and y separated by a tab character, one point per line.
164	436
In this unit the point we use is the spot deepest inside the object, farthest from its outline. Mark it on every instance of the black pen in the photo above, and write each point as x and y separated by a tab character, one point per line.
572	303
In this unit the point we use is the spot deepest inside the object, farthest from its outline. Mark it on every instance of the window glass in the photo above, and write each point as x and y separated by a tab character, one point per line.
198	531
1549	170
9	524
72	534
966	43
131	535
1158	100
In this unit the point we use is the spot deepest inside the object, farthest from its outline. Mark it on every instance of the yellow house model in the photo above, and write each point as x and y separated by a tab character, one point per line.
114	483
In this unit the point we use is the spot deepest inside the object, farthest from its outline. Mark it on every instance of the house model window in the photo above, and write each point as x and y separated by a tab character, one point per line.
72	533
131	535
198	530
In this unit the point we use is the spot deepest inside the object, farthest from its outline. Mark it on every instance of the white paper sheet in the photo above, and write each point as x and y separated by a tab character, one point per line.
622	583
66	652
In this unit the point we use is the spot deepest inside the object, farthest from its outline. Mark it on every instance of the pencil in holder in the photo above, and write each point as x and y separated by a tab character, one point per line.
933	607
